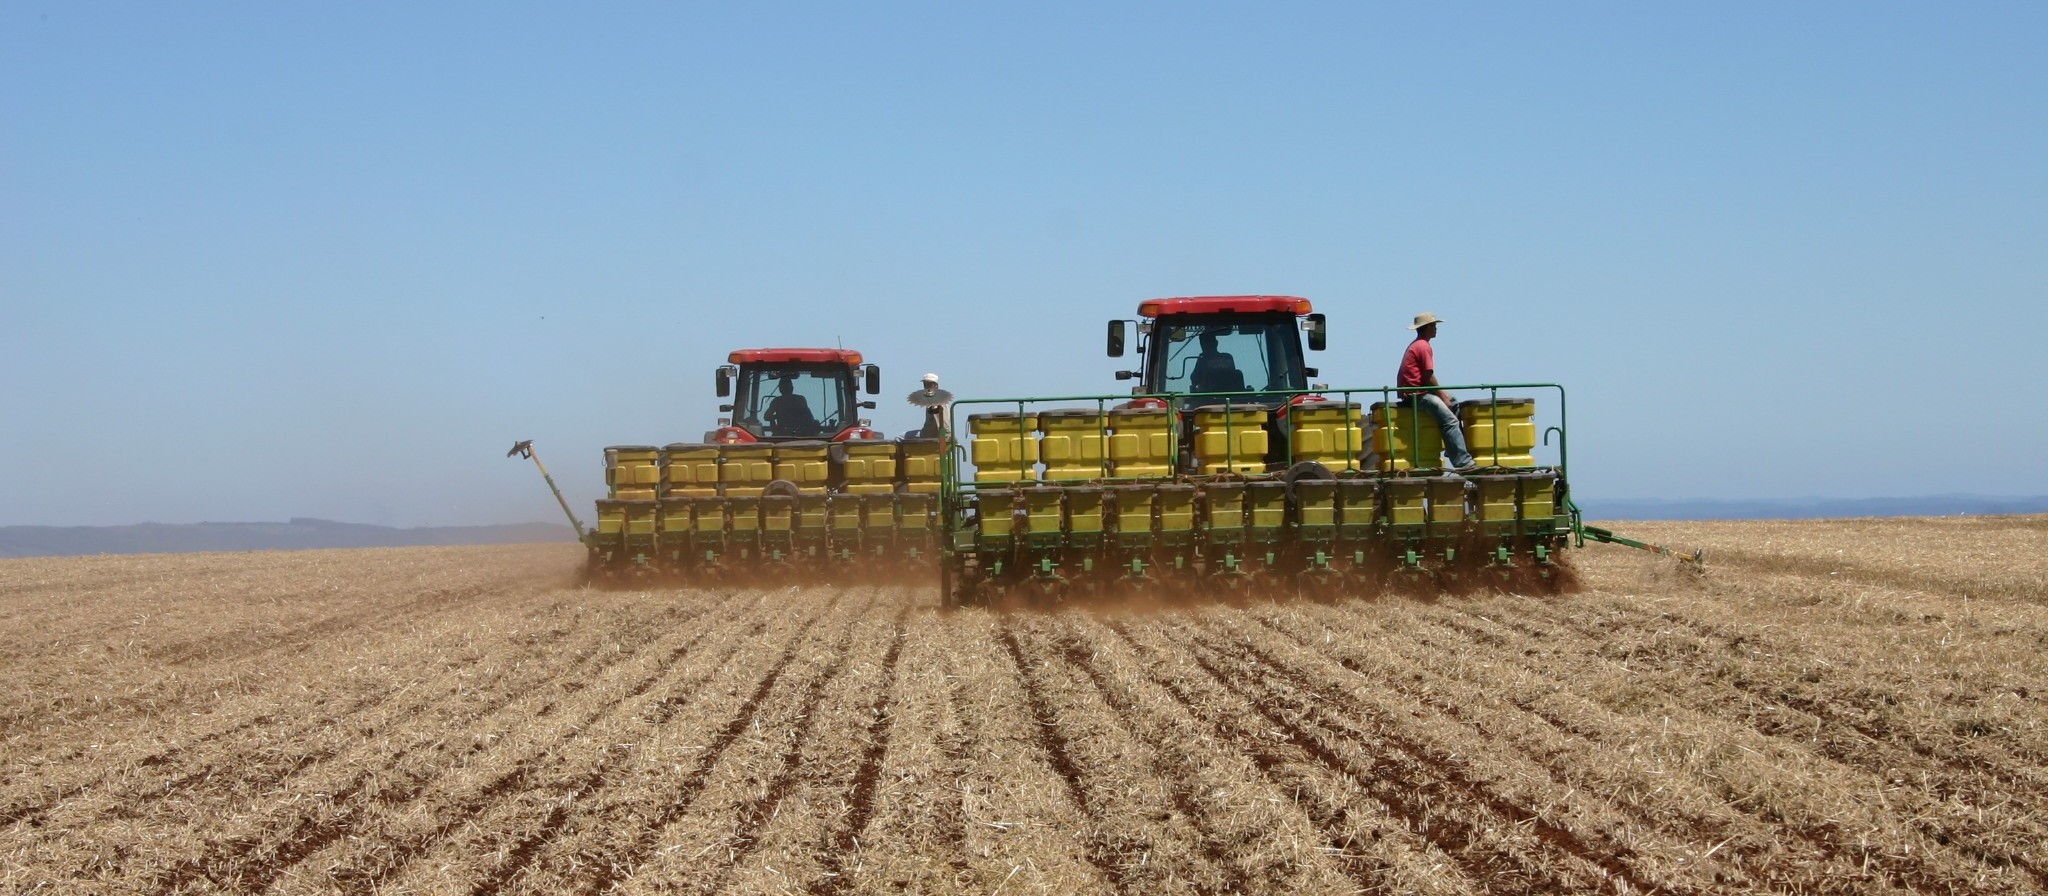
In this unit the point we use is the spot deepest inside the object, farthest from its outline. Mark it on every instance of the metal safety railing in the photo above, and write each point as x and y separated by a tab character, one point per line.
1281	401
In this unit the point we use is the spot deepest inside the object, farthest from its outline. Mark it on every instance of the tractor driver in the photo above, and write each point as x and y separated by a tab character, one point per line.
789	414
1215	370
1418	369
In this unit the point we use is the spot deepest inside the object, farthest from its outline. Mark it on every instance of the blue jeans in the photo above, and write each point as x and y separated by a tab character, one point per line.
1447	420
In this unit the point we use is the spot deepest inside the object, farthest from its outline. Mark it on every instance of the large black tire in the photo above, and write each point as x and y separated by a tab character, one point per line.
1305	471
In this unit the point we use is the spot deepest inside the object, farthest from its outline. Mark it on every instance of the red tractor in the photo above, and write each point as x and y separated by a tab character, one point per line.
795	394
1197	350
1213	344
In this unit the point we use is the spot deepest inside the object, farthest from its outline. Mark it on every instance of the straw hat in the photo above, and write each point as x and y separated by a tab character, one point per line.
1425	319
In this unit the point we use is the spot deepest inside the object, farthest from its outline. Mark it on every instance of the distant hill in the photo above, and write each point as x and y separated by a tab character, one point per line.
295	535
1809	508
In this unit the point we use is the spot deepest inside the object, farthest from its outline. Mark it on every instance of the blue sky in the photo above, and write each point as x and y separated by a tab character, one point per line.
271	260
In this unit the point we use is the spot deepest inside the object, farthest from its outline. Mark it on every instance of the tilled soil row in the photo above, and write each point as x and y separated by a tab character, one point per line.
336	787
184	759
1378	849
1587	765
786	838
1145	824
725	820
1857	707
172	779
1438	729
458	721
609	789
1263	825
1508	846
1115	848
1988	559
388	760
128	745
1027	823
1706	669
912	831
1798	843
874	739
507	753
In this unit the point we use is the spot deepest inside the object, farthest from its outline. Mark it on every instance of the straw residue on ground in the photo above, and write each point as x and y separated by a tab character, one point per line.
1837	707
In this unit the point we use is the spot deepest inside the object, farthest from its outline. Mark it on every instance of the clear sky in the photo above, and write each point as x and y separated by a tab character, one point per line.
263	260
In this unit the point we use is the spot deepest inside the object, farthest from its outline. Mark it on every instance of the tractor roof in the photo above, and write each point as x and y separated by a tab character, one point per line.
794	356
1223	305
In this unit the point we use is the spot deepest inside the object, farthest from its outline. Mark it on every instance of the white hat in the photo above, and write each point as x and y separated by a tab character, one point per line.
1425	319
930	378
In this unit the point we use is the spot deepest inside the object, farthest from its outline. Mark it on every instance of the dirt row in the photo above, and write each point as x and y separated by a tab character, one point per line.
1836	707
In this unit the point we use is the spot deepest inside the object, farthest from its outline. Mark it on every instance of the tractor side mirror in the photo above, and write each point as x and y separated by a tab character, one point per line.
724	382
1126	374
725	408
1310	371
874	380
1116	339
1318	332
868	404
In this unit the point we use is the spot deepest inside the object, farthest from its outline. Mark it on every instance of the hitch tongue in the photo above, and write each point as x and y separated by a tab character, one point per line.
1697	558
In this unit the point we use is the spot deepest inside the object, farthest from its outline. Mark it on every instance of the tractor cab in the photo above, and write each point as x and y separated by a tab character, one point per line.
1211	344
791	394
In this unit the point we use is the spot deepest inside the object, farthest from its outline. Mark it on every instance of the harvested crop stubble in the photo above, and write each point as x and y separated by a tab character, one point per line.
1140	826
757	814
630	753
1492	841
510	754
1027	815
1836	707
911	793
1267	820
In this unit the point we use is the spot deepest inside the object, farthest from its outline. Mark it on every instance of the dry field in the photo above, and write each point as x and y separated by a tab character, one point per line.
1838	707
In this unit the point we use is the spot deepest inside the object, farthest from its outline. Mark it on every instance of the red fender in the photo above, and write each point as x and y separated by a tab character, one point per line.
1281	414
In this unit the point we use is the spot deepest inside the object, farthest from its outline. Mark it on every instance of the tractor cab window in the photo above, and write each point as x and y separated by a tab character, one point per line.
793	401
1234	353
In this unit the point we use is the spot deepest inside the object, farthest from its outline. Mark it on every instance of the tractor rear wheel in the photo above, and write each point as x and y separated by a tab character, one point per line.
1305	471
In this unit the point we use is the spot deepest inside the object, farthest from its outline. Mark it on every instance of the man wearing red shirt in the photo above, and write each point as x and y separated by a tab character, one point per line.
1418	371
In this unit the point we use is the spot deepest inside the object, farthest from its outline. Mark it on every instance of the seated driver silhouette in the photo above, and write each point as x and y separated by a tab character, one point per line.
1215	371
789	414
